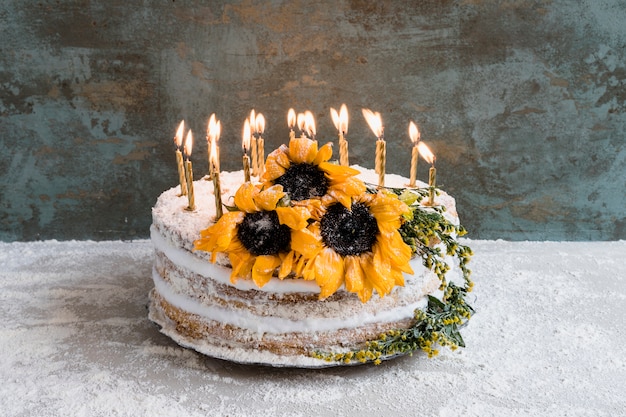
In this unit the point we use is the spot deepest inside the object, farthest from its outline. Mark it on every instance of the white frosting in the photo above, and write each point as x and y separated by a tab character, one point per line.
246	320
221	274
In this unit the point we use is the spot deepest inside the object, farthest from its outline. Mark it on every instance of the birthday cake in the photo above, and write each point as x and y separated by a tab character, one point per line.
310	265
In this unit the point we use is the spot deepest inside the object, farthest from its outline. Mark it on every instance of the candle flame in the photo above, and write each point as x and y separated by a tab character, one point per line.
188	144
246	136
213	154
260	123
213	130
178	139
211	125
310	123
414	133
291	118
343	119
335	116
426	153
301	121
374	121
253	121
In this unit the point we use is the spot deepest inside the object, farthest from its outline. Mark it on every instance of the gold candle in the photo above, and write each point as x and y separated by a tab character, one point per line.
413	167
341	124
253	144
432	177
381	151
217	189
245	143
291	123
426	153
376	125
189	172
178	141
260	128
414	134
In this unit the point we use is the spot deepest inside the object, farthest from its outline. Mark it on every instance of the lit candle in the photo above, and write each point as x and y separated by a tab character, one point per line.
340	121
217	189
309	124
375	123
301	121
253	143
210	133
260	128
245	145
178	141
291	123
432	173
214	150
414	134
189	172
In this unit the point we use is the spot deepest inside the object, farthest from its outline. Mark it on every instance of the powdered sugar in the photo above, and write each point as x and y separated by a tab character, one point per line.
547	339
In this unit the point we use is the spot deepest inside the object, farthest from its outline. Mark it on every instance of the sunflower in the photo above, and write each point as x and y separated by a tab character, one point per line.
306	175
257	236
359	247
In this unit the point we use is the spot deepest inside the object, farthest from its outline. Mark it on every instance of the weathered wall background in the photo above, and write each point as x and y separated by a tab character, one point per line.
522	101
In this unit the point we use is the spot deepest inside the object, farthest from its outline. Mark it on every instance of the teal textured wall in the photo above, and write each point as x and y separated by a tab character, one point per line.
522	101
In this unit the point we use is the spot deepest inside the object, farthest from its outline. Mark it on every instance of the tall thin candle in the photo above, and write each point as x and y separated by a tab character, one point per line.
245	144
178	141
426	153
189	172
376	125
414	134
253	143
260	128
217	189
340	121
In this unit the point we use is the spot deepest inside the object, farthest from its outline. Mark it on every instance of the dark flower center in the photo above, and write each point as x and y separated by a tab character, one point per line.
349	232
303	181
262	234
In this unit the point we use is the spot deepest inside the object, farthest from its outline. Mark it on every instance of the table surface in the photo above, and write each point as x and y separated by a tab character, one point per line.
548	339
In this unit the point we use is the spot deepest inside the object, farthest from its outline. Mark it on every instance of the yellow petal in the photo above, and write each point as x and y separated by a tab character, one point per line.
244	197
366	293
287	264
388	209
268	198
378	274
241	262
276	164
305	242
294	217
329	272
395	250
344	191
302	150
355	277
218	237
324	154
337	172
263	269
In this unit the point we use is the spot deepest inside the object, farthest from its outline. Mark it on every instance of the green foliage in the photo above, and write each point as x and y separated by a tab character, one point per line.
432	237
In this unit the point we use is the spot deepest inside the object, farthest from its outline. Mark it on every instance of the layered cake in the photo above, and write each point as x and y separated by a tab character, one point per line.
310	265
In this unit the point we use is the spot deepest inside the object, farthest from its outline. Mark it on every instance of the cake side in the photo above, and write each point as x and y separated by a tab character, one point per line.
195	302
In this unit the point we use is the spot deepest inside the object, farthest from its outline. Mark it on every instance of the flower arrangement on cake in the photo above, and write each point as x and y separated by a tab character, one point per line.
311	219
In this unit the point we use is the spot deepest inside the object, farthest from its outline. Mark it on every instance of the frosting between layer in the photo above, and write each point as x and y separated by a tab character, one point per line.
245	320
